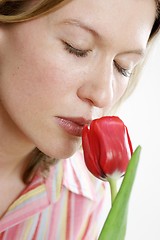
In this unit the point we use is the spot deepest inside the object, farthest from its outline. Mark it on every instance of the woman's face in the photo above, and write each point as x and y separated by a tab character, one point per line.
57	71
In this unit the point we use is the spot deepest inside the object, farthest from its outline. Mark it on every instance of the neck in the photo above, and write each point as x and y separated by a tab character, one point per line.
15	148
13	165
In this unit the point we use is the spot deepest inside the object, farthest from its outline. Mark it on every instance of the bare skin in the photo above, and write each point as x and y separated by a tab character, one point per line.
77	63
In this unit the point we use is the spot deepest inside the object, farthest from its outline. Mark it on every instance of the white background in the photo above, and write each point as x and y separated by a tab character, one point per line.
141	114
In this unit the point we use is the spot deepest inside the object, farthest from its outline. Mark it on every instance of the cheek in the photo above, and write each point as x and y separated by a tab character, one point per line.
30	76
119	88
33	83
120	84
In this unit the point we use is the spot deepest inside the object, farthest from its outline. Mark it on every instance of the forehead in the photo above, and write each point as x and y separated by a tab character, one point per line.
112	18
102	9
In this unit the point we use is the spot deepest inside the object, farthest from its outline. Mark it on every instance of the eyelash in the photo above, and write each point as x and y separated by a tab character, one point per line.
125	72
75	51
84	53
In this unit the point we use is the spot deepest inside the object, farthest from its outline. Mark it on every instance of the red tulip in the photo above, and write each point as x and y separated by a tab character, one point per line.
107	147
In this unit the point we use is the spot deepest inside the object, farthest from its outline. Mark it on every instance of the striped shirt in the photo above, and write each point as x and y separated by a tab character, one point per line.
68	205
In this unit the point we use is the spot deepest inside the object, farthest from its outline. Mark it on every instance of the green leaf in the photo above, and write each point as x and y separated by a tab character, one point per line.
115	225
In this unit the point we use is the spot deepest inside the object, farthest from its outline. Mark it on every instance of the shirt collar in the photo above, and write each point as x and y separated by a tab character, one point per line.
79	180
73	174
70	173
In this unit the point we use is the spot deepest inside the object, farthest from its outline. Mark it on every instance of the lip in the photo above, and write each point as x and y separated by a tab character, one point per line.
72	126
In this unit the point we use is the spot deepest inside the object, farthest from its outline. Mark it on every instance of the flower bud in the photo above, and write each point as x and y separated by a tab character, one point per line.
107	147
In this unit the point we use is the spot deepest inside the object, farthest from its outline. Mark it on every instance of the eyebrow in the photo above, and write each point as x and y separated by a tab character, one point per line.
82	25
140	52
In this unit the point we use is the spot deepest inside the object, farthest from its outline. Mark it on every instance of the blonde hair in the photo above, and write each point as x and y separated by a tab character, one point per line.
19	10
12	11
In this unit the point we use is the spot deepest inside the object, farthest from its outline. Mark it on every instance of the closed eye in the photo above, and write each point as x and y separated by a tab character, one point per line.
75	51
125	72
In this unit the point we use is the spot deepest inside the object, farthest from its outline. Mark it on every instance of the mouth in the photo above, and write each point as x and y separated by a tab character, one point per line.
72	126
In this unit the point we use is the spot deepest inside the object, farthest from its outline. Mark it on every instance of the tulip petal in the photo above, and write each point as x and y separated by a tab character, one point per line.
114	156
108	148
89	152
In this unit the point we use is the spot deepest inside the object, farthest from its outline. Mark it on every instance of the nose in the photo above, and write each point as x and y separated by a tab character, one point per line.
97	87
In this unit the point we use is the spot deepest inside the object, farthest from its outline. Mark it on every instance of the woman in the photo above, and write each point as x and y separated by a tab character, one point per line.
63	63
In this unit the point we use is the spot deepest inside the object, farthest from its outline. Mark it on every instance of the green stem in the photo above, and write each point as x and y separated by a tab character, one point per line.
115	225
113	188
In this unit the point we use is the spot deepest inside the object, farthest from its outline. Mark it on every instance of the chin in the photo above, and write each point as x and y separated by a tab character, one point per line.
61	151
66	155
